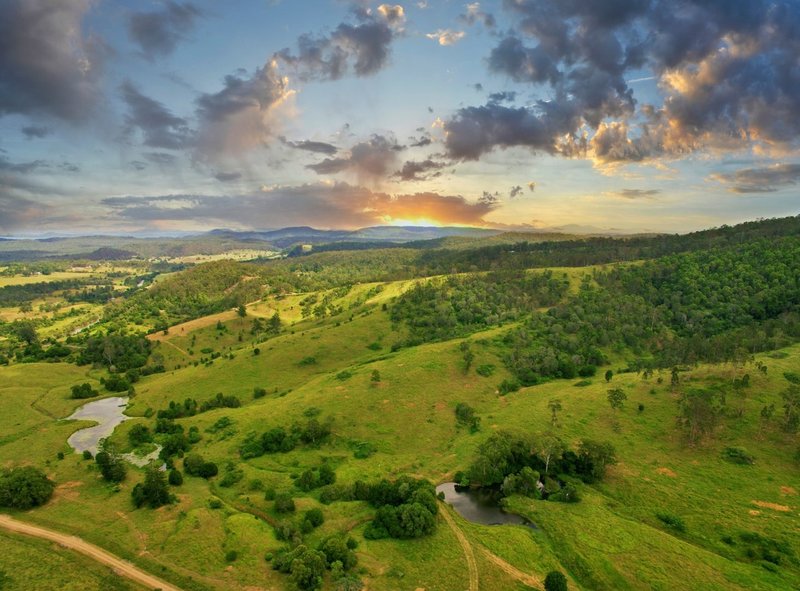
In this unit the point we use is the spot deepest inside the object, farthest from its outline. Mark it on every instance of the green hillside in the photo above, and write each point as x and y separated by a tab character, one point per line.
310	410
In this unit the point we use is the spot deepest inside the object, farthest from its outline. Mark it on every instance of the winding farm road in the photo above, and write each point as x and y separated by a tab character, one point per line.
472	566
121	567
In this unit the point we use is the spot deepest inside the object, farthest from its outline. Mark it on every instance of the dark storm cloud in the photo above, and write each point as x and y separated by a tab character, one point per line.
161	158
414	170
761	180
322	205
363	47
228	177
635	193
159	127
157	33
371	160
473	131
311	146
47	66
36	131
502	97
728	71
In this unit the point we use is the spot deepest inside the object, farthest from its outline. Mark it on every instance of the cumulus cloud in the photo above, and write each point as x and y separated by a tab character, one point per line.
475	14
446	36
370	161
311	146
761	180
516	191
157	33
159	127
728	76
245	114
338	205
532	186
363	47
414	170
47	65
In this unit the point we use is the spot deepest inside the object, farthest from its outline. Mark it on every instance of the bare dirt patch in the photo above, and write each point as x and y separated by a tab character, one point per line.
788	490
773	506
754	512
664	471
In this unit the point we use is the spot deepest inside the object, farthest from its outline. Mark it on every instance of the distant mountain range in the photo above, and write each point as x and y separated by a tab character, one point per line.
306	235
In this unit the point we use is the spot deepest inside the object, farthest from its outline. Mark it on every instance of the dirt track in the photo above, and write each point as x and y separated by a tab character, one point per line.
121	567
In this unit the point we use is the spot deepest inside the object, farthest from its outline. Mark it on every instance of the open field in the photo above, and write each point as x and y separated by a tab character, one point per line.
624	547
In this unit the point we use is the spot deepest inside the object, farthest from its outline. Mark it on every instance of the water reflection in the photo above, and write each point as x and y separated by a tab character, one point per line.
479	505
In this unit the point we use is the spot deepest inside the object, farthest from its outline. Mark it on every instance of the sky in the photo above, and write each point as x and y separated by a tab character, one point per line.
159	116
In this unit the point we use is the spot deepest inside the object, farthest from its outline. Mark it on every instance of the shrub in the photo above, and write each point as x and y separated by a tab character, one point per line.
284	503
87	455
315	517
485	370
231	556
25	487
259	393
175	477
555	581
672	521
737	455
508	386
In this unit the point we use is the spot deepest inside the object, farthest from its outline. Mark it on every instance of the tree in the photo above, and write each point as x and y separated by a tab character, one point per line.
25	487
175	477
550	448
555	408
376	376
241	311
284	503
274	324
609	375
555	581
467	355
111	465
153	492
791	408
139	435
465	415
699	411
616	398
674	378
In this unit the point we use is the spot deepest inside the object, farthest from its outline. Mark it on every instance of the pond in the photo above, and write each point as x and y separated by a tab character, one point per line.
479	505
107	413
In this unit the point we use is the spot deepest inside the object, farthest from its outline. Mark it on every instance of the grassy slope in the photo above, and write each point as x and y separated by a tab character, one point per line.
28	564
611	540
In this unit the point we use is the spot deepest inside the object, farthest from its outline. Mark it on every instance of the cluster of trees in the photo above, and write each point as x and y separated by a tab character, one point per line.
118	351
312	432
540	466
153	492
199	291
12	296
716	305
457	306
82	391
190	407
315	477
195	465
25	487
407	508
306	566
